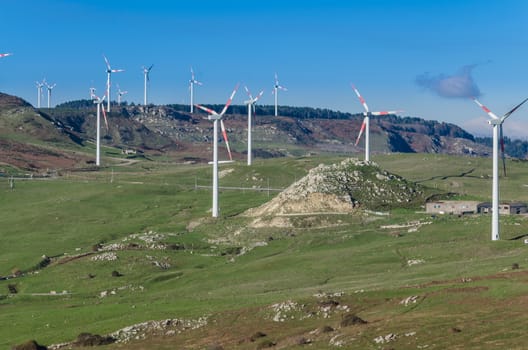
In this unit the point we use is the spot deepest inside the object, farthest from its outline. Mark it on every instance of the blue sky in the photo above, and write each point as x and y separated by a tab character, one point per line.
400	54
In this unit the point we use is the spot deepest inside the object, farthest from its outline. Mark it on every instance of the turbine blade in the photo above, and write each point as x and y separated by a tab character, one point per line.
513	110
485	109
229	100
259	95
224	134
361	131
104	115
386	112
501	138
5	54
107	63
361	99
208	110
282	88
248	93
117	70
150	67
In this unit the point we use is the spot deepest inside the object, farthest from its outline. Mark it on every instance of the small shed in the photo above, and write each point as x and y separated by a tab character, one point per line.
504	208
452	207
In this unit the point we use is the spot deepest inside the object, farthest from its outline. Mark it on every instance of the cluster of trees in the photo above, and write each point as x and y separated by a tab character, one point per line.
513	148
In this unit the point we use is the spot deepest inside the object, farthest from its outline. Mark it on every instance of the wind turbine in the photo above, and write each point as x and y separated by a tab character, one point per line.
365	126
191	88
275	91
99	102
92	93
120	94
39	92
215	117
146	73
496	122
49	87
251	108
109	72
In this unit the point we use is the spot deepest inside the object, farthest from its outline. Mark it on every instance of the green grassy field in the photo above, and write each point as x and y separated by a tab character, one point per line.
465	292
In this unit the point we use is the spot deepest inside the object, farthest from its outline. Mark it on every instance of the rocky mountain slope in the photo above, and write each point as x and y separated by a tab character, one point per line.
174	131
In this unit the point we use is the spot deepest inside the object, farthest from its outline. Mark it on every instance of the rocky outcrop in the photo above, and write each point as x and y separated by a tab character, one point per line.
343	187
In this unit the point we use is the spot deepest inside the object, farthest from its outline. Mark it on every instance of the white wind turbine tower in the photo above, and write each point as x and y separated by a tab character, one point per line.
109	72
215	117
191	88
365	126
276	88
49	88
496	122
120	94
251	108
99	102
146	73
39	92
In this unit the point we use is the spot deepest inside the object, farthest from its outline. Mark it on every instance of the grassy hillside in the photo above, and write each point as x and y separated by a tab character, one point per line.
417	282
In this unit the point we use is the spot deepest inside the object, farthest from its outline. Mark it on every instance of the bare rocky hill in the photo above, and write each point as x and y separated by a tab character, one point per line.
342	188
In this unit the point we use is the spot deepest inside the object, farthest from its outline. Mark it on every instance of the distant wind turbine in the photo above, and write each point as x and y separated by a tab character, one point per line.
49	88
191	88
99	102
109	72
39	92
365	126
92	93
215	117
276	88
251	108
496	122
146	72
120	94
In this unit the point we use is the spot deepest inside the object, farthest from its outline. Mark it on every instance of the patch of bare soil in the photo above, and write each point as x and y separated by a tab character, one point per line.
33	158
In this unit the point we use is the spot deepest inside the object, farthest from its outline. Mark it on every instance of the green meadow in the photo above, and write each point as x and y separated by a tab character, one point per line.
467	291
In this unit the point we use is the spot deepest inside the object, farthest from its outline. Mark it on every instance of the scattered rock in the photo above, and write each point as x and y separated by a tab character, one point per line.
326	329
12	288
88	339
385	339
410	300
256	336
29	345
456	330
351	319
116	274
515	266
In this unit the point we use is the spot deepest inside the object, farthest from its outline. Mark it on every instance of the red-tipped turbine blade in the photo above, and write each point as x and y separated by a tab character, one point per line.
107	63
208	110
514	109
385	112
501	138
248	93
224	134
361	131
106	120
361	99
229	100
259	96
117	70
5	54
485	109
